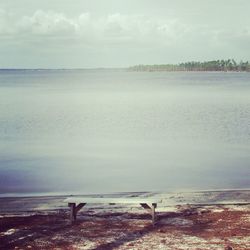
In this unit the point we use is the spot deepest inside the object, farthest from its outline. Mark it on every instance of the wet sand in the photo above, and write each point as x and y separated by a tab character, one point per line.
194	220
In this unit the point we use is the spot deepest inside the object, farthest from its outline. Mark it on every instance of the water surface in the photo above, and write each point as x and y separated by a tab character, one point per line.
90	131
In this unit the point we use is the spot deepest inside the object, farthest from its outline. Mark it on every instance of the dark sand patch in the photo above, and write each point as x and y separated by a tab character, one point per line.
216	227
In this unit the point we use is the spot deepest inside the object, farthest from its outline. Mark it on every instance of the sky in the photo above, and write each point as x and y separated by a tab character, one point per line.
120	33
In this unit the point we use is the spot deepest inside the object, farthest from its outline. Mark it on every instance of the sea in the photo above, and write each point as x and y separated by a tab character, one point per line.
113	130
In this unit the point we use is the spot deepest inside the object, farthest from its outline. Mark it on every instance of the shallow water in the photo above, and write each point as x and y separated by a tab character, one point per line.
98	131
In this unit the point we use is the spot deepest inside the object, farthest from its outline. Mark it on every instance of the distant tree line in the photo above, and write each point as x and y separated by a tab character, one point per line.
217	65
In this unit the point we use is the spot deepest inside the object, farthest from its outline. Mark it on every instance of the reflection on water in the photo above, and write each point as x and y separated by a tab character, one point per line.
107	131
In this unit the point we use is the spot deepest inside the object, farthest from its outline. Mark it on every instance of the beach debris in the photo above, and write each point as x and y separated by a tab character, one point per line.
10	231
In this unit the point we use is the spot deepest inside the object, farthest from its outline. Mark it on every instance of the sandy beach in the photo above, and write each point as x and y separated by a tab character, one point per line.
185	220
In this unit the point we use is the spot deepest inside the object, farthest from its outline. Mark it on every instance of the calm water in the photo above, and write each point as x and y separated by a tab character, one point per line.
108	131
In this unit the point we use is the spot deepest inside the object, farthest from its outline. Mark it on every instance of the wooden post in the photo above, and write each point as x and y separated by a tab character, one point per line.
72	212
151	210
74	209
154	205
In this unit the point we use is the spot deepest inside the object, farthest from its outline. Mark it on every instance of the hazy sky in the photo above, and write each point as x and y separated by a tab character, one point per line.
115	33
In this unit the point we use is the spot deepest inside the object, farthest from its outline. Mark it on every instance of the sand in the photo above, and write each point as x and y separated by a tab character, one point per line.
186	220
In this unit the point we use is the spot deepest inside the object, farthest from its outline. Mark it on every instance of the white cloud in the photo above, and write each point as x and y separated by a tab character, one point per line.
114	28
47	23
97	38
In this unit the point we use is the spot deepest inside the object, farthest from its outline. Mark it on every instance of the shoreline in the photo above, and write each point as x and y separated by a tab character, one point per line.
183	222
63	194
182	226
169	199
125	69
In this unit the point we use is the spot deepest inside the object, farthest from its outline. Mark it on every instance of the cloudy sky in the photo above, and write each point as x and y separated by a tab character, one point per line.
118	33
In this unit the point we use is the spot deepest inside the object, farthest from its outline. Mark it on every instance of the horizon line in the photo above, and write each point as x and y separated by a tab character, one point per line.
123	67
63	68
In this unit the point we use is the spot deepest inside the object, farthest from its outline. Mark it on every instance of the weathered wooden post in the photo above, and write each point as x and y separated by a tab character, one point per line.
151	210
74	209
154	205
72	212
